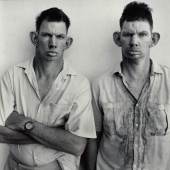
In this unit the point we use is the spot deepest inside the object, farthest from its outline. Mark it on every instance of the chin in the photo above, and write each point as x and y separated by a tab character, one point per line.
134	57
54	59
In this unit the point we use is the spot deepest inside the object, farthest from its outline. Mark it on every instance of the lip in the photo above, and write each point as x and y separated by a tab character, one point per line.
52	53
134	52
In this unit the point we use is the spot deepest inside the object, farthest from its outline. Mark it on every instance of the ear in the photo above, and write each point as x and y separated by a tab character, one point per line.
69	42
116	38
155	38
34	37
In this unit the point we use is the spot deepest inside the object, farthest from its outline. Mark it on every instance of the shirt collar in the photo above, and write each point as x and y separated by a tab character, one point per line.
66	71
117	70
155	69
27	65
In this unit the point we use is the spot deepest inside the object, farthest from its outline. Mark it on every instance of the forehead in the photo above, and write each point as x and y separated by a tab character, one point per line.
137	26
53	27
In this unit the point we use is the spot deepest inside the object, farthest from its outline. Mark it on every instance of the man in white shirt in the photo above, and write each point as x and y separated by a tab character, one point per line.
45	106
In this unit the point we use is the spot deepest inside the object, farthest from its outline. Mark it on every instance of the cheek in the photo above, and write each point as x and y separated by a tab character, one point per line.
42	45
125	46
62	45
124	42
147	45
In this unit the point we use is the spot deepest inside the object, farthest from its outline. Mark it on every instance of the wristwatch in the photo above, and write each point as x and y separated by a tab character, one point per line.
28	126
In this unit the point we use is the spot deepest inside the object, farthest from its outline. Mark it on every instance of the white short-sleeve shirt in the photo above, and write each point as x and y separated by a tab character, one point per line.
68	104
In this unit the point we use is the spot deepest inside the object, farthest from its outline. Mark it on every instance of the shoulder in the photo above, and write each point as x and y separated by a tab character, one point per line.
20	66
165	69
78	80
104	79
16	70
164	75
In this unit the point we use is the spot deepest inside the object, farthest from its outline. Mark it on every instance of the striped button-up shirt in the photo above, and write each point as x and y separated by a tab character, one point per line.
135	132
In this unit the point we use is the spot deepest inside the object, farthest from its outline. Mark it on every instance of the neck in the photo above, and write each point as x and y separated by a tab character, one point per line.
136	70
48	69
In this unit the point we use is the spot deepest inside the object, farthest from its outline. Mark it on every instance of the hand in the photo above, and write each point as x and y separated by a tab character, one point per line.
16	121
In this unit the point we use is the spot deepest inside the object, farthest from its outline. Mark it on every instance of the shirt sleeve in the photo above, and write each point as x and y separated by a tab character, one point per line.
81	118
96	106
6	97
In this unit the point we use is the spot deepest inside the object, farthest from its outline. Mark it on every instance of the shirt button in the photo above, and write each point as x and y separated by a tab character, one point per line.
137	124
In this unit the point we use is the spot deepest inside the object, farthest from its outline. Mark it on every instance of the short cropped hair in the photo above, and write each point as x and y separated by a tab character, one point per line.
52	14
136	11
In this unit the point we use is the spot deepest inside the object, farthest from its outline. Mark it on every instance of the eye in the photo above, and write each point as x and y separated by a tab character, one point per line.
143	34
127	34
60	36
45	35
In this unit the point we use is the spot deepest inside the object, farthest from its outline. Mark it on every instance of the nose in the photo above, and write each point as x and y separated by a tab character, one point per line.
134	41
53	42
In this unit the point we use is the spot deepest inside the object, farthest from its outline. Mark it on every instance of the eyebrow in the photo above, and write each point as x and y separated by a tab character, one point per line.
43	32
129	31
52	33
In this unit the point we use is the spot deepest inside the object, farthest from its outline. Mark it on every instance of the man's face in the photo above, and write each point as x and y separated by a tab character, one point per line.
51	40
136	39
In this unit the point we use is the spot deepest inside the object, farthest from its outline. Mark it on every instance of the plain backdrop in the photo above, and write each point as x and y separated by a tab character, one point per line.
92	25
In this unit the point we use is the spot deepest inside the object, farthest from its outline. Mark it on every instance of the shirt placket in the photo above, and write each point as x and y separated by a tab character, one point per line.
138	144
56	90
135	128
139	124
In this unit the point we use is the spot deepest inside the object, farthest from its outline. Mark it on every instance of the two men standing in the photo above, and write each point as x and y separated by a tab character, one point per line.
45	106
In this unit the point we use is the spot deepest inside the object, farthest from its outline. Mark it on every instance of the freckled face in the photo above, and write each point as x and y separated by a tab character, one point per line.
136	39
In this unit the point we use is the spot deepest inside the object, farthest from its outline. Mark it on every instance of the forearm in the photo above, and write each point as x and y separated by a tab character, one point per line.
91	152
52	137
14	137
90	155
58	138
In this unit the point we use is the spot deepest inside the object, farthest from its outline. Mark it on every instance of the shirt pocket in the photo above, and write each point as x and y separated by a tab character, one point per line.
116	119
156	120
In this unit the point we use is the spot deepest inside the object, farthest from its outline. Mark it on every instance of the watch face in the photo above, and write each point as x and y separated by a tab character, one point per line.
28	125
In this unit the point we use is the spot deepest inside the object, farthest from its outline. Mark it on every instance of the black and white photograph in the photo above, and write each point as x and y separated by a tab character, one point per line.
84	85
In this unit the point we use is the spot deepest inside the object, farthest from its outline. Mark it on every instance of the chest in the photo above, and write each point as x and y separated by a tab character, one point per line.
44	86
136	87
45	101
123	114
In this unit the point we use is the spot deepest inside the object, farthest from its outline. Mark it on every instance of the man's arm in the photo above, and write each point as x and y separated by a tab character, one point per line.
78	127
91	151
89	157
52	137
58	138
14	137
7	103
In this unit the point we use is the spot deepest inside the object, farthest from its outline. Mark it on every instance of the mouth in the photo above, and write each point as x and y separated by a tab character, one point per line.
52	53
134	52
